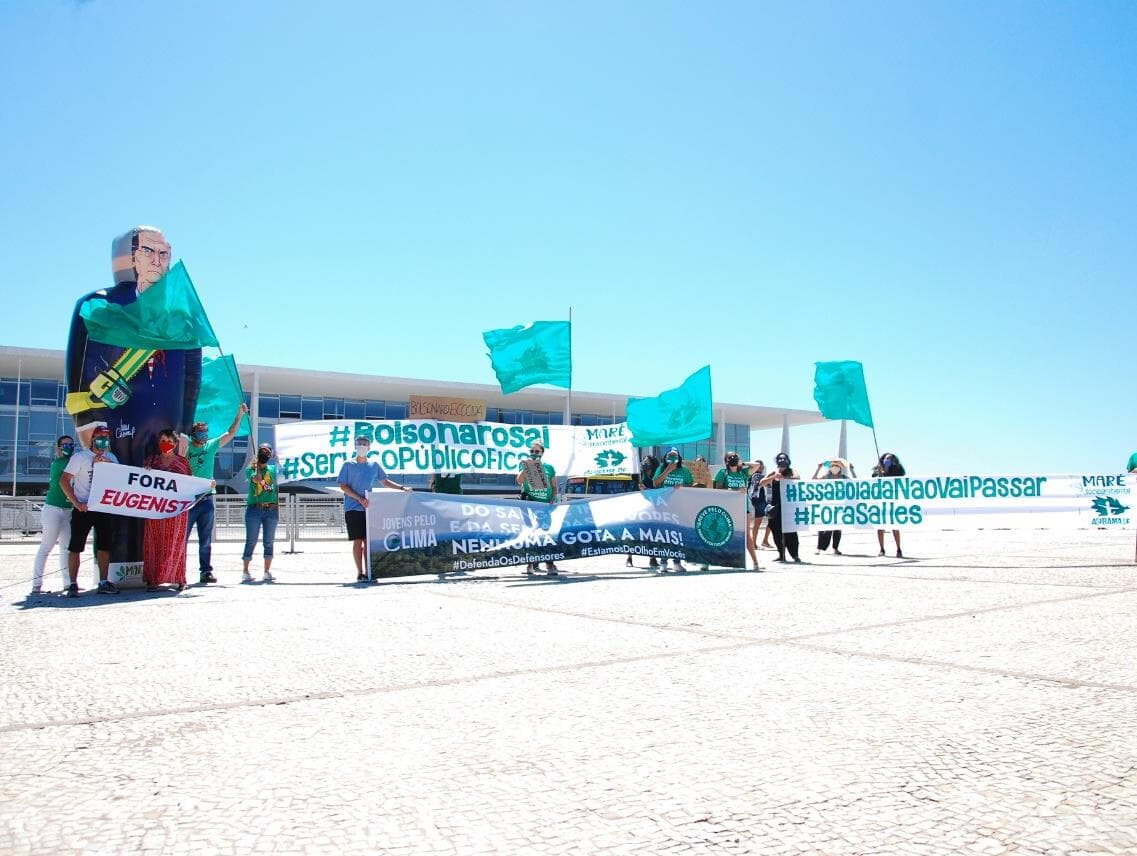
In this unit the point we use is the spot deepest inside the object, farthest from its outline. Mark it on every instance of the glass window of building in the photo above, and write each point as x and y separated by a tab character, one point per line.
290	407
42	424
312	408
396	411
45	392
333	408
376	409
269	406
354	408
8	393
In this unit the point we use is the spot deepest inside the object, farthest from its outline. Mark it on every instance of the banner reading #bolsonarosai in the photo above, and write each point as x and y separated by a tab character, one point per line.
960	502
423	533
317	449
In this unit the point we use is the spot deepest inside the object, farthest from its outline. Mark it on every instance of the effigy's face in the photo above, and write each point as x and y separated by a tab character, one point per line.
151	258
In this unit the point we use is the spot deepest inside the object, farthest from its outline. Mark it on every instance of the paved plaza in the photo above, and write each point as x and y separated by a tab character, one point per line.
978	696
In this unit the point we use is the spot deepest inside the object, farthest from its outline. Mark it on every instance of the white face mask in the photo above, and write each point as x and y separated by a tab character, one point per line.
361	450
835	471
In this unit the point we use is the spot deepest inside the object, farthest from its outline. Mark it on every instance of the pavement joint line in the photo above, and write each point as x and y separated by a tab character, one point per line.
816	569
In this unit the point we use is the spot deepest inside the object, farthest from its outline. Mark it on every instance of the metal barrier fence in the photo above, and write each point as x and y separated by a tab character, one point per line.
20	516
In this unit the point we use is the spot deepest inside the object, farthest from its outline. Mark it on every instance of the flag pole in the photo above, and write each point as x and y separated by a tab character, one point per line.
875	444
568	404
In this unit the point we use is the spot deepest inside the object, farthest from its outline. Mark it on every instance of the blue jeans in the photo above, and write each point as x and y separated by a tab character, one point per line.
201	516
255	519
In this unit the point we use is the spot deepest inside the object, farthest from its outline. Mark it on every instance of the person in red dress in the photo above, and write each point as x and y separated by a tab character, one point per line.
164	541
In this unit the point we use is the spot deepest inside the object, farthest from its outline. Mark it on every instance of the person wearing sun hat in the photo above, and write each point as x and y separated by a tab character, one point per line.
76	485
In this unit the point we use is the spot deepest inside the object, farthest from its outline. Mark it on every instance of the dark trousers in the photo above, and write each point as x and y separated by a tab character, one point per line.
786	541
823	539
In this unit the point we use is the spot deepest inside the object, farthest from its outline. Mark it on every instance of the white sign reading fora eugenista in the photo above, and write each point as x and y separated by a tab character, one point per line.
960	502
317	449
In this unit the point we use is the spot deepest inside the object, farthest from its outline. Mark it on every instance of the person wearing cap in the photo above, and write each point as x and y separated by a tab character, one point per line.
201	452
773	483
672	473
733	475
536	493
835	468
356	479
76	485
262	505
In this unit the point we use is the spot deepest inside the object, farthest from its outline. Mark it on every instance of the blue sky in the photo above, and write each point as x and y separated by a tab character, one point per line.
944	192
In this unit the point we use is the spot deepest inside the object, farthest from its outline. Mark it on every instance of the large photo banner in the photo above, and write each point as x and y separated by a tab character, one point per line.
317	449
138	492
421	533
960	502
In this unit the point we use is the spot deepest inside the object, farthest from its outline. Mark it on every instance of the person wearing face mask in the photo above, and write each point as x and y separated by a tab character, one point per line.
533	490
76	486
756	513
734	476
164	540
672	473
648	465
262	504
357	478
55	517
773	484
833	469
201	452
889	466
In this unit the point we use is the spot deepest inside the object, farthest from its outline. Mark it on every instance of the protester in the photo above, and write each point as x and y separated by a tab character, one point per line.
672	474
262	506
536	493
757	511
201	454
446	483
648	465
734	476
1132	465
834	469
773	482
889	466
164	542
356	479
55	518
76	486
700	472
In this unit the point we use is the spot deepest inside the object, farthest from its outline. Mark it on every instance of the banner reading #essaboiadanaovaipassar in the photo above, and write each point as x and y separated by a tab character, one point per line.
430	533
960	502
317	449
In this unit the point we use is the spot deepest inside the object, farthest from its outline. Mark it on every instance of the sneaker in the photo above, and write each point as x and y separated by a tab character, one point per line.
36	592
653	564
268	578
628	563
663	568
207	577
704	567
361	578
899	555
797	559
107	587
551	570
73	590
779	559
246	577
680	567
837	552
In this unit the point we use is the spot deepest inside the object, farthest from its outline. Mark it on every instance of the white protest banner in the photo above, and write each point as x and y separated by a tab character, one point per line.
138	492
960	502
429	533
317	449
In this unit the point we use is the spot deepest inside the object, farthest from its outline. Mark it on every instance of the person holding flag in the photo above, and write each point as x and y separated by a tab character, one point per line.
201	452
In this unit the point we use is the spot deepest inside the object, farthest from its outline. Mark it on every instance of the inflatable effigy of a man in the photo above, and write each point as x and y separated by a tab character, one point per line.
136	391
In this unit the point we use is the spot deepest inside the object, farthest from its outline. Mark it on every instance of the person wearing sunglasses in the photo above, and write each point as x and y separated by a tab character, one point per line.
889	466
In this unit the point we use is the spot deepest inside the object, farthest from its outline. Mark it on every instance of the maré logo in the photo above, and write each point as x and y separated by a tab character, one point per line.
1108	506
1103	481
610	458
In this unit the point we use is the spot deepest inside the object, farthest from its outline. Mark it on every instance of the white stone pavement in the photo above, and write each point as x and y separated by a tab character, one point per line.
979	696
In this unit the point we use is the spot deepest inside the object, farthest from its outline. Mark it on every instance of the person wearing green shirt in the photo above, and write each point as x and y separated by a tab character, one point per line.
261	510
734	476
55	518
201	454
672	473
446	483
536	492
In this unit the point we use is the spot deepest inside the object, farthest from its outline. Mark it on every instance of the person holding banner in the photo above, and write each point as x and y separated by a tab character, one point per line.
734	476
788	540
356	480
538	483
201	454
262	506
76	485
55	517
889	466
673	474
164	541
835	469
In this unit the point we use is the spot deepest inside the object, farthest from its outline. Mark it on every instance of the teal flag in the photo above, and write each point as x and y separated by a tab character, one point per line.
167	315
681	415
840	392
539	352
221	395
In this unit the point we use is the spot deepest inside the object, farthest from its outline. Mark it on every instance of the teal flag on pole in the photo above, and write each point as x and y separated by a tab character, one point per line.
540	352
681	415
167	315
840	392
220	395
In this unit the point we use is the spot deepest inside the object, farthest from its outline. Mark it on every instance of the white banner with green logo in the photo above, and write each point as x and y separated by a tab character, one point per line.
317	449
431	533
960	502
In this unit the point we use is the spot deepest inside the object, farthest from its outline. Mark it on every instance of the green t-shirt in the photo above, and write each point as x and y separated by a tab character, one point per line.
1132	463
451	483
546	494
201	457
678	476
55	495
262	489
732	480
